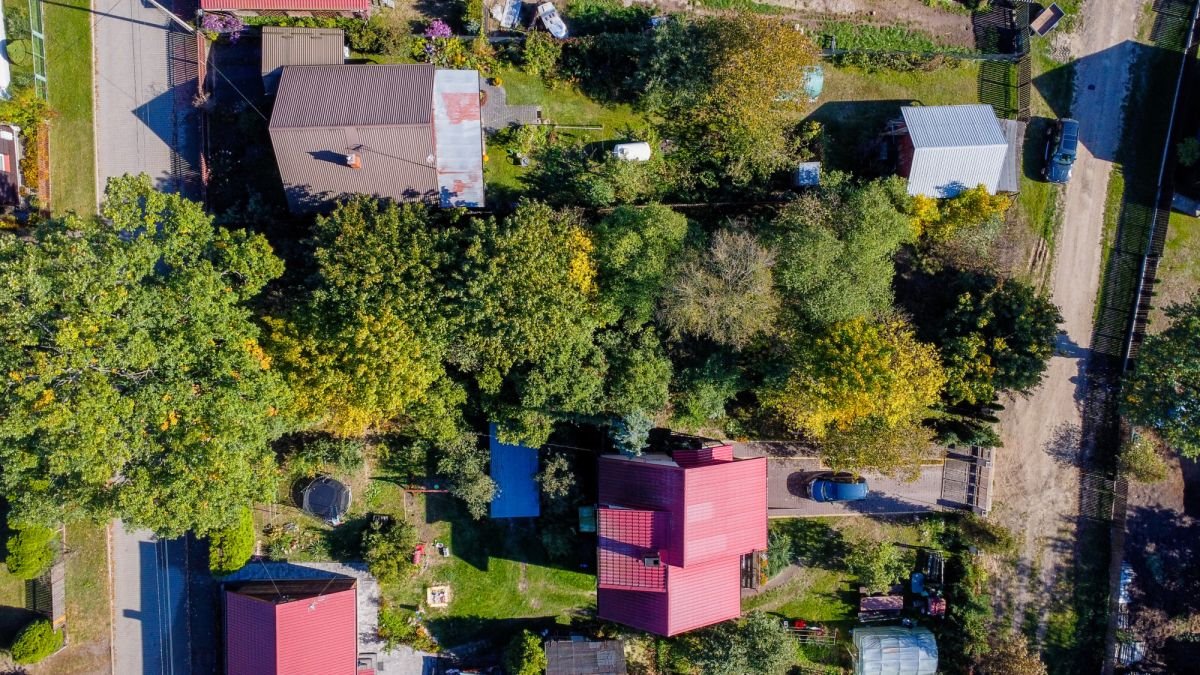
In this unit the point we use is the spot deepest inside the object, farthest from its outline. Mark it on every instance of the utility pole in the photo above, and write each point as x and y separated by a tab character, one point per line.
170	15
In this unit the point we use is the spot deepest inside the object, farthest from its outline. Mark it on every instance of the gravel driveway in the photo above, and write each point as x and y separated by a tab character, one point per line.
1037	482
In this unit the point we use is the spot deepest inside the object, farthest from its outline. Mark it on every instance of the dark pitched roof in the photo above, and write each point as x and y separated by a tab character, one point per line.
585	657
354	96
381	113
287	46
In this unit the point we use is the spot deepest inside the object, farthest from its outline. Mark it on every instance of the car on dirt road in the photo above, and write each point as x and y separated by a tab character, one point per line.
837	487
1062	141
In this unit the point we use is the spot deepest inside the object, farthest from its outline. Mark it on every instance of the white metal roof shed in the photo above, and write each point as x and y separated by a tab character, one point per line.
895	650
955	147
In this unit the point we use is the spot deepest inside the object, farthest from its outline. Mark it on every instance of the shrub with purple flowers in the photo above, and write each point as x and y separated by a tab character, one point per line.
223	24
438	29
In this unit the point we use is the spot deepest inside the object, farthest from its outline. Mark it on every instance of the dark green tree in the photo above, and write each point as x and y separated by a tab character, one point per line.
465	463
995	334
757	643
835	248
364	349
1164	391
636	249
136	386
388	550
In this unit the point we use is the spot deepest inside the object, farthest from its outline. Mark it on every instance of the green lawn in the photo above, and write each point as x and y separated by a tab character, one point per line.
857	104
69	73
499	576
562	104
1050	98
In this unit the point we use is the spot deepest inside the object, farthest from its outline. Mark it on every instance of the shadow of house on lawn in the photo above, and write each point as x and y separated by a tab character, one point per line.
476	542
852	133
479	642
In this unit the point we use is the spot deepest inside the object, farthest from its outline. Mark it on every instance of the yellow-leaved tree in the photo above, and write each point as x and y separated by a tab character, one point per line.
855	371
938	220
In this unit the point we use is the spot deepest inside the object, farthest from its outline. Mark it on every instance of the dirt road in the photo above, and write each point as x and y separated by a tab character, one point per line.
1037	483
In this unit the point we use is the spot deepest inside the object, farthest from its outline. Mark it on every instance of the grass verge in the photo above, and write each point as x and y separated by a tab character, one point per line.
69	76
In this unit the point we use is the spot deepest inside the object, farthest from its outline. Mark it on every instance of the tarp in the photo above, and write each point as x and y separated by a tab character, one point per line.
513	468
895	650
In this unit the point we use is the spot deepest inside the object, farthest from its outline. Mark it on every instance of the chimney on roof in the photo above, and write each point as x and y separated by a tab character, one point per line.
354	160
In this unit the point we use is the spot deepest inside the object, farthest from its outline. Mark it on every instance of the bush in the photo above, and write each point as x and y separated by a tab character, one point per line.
877	566
1188	151
1141	461
35	642
326	454
388	550
30	551
470	14
986	535
402	628
779	552
540	55
705	392
524	655
230	548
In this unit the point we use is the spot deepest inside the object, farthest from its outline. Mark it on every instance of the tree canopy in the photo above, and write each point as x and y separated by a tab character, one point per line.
135	383
758	643
636	249
365	348
725	294
857	371
723	85
1163	393
836	246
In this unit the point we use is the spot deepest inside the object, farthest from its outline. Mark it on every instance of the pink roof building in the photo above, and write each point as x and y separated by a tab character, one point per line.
288	7
673	531
287	627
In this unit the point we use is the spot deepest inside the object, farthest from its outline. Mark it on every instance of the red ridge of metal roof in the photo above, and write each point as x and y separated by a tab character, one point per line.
310	636
289	5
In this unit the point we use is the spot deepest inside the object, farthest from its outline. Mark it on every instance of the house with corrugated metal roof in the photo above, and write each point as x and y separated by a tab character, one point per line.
346	8
950	148
294	46
677	533
407	132
277	626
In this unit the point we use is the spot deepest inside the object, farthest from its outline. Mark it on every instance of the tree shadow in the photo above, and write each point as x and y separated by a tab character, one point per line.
852	131
475	641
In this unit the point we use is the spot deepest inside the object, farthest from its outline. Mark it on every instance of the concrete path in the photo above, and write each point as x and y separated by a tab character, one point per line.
144	73
150	618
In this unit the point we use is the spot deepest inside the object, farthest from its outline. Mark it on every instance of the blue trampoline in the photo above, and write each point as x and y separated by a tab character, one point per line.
513	468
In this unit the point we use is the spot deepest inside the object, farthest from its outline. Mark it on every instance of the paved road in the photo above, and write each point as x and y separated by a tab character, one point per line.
785	490
144	72
150	618
1036	480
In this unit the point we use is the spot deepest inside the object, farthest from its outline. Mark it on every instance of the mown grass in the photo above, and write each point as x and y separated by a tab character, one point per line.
562	104
69	76
857	103
499	575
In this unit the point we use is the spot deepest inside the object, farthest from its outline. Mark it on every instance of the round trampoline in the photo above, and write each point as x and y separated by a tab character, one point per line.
327	499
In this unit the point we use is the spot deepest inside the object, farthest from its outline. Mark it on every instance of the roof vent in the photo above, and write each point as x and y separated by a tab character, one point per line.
652	561
354	160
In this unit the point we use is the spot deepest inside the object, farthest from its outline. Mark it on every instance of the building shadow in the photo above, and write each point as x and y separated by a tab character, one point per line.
852	137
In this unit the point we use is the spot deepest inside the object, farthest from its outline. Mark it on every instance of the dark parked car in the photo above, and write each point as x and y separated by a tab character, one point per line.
837	487
1061	144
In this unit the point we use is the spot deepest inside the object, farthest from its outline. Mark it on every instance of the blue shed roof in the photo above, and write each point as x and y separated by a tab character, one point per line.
513	468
